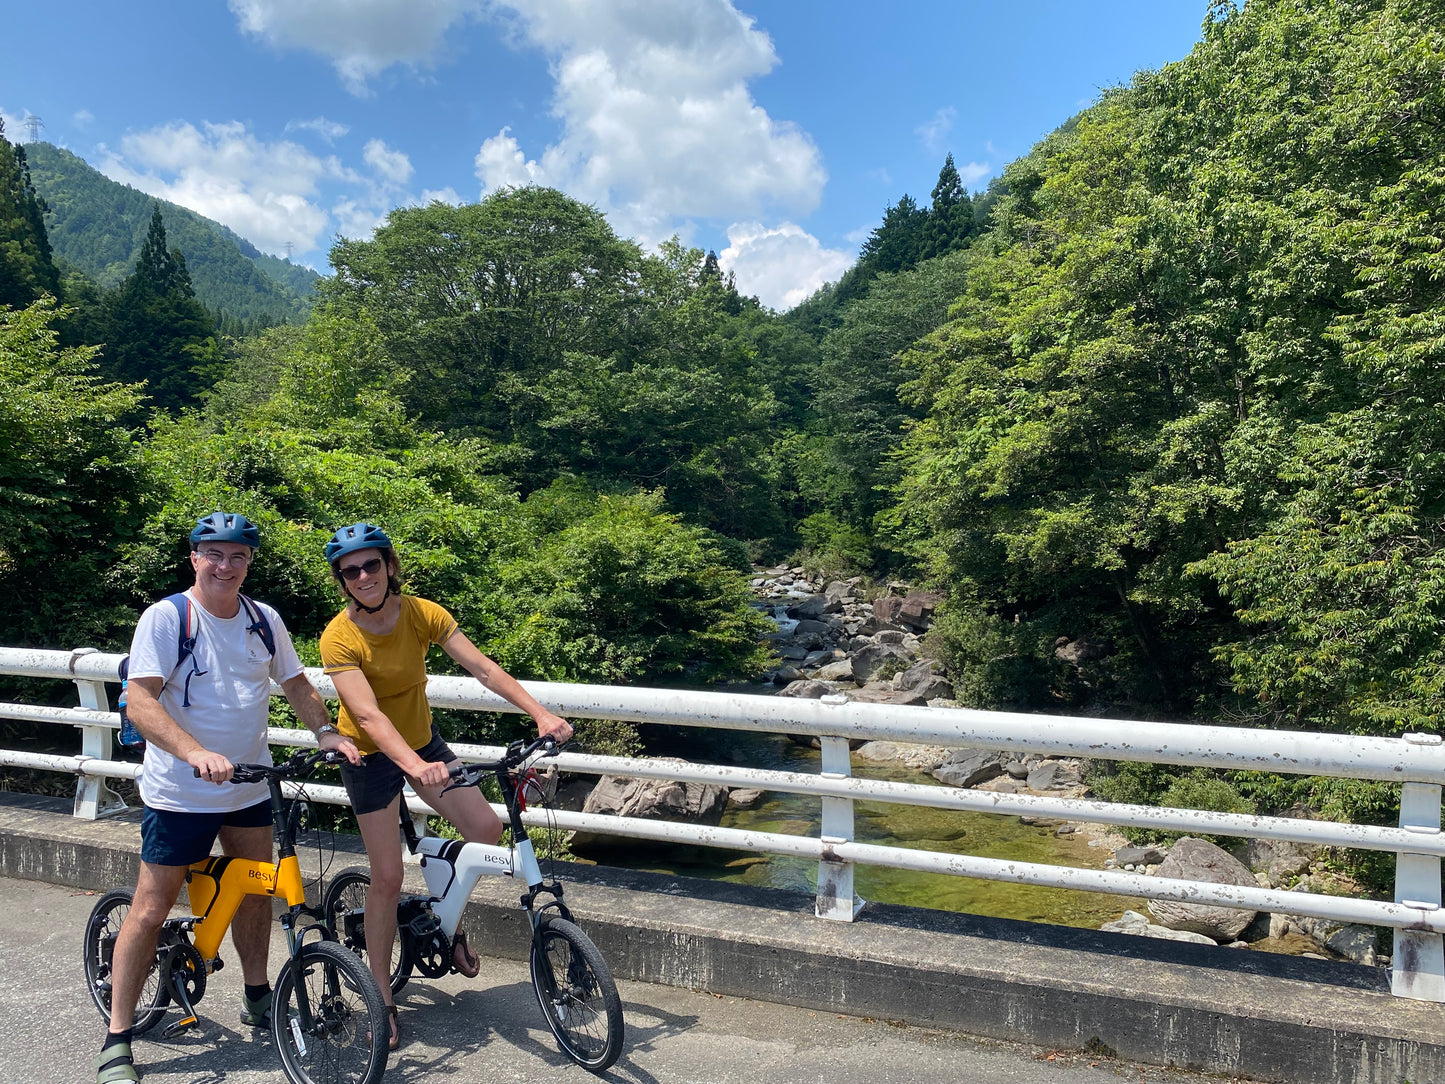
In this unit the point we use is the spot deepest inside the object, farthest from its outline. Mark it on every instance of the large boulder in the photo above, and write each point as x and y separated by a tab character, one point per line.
650	799
921	683
1199	860
1132	922
885	609
836	670
814	606
970	767
870	660
808	689
917	609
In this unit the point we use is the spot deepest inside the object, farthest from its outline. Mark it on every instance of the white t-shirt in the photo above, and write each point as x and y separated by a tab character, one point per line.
229	700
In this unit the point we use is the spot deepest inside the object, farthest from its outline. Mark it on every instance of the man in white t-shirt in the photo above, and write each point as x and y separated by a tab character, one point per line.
204	714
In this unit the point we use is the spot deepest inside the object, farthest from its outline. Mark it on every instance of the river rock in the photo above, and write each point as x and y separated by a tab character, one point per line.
872	658
889	636
814	606
1132	922
650	799
970	767
885	609
921	758
836	670
810	627
1077	652
917	609
1139	856
808	689
1199	860
745	797
785	675
838	593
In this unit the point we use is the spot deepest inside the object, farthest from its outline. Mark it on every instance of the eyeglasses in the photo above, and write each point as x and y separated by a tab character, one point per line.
216	557
353	572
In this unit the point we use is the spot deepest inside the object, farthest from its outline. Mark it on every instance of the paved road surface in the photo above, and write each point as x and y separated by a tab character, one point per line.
490	1029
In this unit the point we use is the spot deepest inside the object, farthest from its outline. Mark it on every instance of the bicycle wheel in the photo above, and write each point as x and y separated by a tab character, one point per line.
97	948
344	906
345	1042
578	997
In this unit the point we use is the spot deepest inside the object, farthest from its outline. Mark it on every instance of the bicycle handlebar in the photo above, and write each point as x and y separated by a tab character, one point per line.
516	753
293	765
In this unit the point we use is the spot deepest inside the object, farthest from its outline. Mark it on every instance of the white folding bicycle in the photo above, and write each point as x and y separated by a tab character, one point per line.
573	983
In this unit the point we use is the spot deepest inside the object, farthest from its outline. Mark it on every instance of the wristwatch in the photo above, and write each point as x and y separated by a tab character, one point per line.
328	728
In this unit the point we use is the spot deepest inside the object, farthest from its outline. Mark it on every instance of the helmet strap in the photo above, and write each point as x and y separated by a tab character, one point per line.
370	609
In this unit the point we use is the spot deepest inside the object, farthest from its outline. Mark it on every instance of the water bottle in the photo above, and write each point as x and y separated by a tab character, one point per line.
130	737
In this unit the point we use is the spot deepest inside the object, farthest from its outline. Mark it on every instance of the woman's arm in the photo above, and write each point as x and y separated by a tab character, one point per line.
356	693
505	685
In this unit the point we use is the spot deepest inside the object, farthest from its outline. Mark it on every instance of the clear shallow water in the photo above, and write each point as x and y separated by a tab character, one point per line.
950	831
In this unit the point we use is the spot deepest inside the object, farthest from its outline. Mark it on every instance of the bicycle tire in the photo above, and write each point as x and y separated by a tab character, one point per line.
97	944
574	987
347	1040
346	895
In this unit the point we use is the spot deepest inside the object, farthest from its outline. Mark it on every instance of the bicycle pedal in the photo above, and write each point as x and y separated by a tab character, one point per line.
172	1030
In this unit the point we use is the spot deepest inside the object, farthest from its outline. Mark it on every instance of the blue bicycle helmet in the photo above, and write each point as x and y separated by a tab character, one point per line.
359	536
225	527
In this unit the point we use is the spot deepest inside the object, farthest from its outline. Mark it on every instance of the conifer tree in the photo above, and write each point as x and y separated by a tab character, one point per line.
950	219
158	331
26	268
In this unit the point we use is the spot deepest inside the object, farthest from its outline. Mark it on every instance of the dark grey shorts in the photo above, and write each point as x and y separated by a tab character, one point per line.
372	784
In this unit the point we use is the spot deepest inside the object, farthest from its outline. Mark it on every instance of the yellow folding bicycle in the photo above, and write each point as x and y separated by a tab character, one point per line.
328	1019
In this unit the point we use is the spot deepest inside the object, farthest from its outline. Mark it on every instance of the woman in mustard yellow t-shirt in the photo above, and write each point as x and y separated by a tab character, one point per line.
375	652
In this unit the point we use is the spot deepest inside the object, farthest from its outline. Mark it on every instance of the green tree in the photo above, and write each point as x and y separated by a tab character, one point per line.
157	331
26	268
72	491
950	216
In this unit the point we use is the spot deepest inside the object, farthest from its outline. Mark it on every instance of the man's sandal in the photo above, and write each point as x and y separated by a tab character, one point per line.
113	1065
464	960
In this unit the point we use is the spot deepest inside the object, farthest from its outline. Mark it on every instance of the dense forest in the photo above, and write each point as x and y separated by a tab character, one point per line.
1170	388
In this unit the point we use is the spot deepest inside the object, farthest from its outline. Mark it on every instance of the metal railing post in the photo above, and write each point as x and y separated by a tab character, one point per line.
836	898
1418	959
93	798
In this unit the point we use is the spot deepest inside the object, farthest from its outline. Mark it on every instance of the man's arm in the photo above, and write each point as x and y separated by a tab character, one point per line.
311	710
143	706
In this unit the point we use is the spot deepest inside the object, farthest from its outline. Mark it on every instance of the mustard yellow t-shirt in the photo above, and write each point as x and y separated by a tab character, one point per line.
394	665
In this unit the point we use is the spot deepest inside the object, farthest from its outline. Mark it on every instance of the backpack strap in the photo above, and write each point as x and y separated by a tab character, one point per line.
186	643
259	624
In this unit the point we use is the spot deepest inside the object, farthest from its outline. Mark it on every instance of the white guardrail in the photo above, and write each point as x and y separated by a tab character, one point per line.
1416	762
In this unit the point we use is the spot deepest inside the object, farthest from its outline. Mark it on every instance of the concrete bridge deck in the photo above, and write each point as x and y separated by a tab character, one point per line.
837	987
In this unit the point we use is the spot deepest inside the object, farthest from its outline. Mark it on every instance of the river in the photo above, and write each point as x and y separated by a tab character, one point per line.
956	832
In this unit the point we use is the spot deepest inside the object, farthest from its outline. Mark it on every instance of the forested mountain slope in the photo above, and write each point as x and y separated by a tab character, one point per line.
98	226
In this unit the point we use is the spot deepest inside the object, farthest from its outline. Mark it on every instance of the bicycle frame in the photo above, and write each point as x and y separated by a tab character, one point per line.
217	885
452	868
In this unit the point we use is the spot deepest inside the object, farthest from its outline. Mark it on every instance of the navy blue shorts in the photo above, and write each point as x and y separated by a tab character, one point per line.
372	784
169	838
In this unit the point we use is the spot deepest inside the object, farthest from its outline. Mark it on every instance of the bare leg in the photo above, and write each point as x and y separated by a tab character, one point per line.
383	850
251	928
135	946
467	808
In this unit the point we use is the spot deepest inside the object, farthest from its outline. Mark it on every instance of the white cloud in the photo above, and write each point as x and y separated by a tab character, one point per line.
328	130
782	265
935	130
13	132
265	192
440	195
82	118
657	121
361	38
973	172
392	166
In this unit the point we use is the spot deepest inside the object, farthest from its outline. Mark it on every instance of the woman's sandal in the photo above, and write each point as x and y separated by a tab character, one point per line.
464	960
393	1029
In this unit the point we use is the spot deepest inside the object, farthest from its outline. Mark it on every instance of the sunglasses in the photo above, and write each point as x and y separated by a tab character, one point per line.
353	572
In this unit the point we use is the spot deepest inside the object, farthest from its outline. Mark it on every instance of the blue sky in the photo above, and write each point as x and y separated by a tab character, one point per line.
774	131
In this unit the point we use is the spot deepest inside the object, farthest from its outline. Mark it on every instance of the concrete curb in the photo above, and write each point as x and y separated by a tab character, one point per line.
1207	1009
